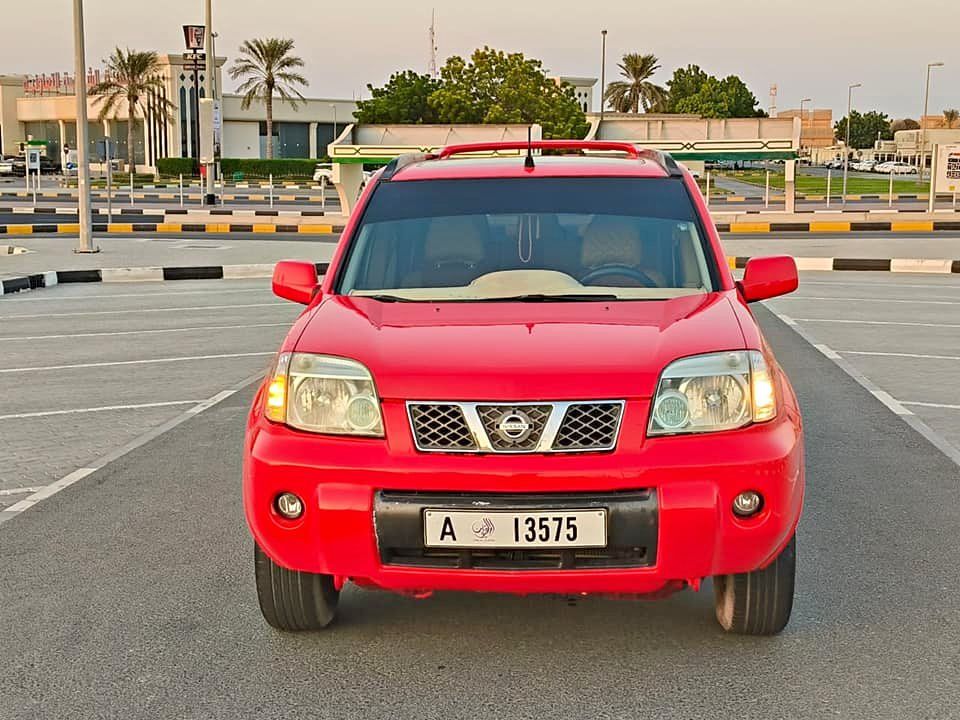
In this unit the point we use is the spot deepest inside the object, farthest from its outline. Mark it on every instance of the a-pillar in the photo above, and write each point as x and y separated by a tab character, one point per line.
347	178
790	185
313	140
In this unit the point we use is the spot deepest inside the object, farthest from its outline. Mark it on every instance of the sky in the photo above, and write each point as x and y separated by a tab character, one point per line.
808	48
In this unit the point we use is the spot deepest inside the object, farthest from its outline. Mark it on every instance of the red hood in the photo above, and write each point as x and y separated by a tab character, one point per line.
520	351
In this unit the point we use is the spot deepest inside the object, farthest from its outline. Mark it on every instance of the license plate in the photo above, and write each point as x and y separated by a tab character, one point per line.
515	529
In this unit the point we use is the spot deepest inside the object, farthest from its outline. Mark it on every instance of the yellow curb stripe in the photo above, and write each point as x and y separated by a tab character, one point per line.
264	228
288	198
731	262
758	227
254	197
915	226
120	228
217	227
68	227
816	227
169	227
19	229
854	197
166	196
736	198
315	229
814	197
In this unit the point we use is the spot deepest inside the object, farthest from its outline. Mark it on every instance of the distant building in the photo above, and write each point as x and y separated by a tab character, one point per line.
816	128
44	108
582	89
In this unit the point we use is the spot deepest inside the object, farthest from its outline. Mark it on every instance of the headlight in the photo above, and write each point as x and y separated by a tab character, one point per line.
706	393
323	394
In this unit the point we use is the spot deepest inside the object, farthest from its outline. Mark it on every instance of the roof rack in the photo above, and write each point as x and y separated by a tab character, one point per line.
664	160
400	162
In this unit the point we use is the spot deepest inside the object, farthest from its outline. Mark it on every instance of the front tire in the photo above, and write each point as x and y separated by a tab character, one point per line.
291	600
758	602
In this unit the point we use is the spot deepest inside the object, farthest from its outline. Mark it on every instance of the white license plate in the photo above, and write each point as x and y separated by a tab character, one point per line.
515	529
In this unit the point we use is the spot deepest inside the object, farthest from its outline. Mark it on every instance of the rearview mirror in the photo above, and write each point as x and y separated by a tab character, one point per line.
768	277
295	280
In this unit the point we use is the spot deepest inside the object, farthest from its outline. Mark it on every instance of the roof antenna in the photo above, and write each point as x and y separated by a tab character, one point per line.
528	162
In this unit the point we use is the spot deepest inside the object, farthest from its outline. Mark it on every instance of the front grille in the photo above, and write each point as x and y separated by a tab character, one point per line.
579	426
536	416
441	427
521	559
589	427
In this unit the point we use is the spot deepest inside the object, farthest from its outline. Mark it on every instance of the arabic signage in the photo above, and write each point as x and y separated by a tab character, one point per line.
948	169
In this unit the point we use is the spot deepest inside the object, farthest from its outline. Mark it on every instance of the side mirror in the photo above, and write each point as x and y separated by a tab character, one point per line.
295	280
768	277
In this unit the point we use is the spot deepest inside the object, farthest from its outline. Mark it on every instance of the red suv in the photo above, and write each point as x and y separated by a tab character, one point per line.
527	373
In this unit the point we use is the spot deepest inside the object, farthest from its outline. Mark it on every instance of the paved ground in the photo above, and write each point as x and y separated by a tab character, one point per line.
130	594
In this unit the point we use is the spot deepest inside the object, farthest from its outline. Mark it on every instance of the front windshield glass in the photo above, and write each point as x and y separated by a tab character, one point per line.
526	238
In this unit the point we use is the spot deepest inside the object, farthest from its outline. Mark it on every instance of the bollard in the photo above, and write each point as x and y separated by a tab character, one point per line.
131	188
323	194
829	176
181	189
890	191
766	192
271	191
708	188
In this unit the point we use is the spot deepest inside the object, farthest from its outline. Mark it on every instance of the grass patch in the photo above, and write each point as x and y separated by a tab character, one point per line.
816	185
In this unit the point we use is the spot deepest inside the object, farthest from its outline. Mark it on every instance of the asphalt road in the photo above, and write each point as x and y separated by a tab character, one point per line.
130	593
55	218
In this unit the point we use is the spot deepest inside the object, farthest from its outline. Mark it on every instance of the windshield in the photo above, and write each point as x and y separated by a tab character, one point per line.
528	238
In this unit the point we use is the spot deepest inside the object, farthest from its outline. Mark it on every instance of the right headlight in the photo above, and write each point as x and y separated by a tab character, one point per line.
708	393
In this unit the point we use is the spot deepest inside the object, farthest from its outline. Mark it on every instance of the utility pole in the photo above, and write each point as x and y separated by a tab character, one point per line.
432	68
208	89
922	150
802	103
846	144
83	150
603	71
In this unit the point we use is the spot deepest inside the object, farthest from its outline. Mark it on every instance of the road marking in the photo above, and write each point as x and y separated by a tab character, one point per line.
870	322
142	332
861	299
104	408
19	491
916	356
932	405
151	361
145	310
847	284
159	293
79	474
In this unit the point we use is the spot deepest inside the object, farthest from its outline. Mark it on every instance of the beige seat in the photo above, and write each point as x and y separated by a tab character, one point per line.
454	253
610	241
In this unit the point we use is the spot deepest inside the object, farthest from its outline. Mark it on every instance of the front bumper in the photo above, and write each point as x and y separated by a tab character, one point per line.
688	527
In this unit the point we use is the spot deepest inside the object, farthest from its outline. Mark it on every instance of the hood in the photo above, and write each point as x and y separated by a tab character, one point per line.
520	351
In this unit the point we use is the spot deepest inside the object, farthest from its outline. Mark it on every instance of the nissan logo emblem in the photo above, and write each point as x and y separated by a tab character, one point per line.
513	426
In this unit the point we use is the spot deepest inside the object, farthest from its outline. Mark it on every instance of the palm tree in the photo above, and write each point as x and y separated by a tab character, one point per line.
628	95
130	76
951	117
268	67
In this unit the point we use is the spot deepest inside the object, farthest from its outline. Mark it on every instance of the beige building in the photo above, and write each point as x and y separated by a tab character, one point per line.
816	128
46	110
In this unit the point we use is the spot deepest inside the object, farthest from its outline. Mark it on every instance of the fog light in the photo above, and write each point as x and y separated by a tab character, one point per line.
289	505
747	503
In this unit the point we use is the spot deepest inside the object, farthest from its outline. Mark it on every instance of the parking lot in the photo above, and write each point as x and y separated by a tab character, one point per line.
132	588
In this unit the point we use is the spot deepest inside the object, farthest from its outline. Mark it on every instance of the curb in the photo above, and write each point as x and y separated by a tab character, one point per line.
844	226
135	227
120	196
159	211
36	281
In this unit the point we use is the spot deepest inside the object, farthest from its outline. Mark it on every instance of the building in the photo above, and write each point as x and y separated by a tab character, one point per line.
44	108
582	89
816	128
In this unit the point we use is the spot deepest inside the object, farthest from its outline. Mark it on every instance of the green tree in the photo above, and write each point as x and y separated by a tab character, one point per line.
951	117
727	98
864	128
268	68
404	99
905	124
498	87
637	89
131	75
686	82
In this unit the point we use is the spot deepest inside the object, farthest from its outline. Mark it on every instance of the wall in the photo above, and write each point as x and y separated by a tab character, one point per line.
11	87
241	139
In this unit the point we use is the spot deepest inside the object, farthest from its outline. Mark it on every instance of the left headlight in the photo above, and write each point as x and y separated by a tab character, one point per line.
323	394
708	393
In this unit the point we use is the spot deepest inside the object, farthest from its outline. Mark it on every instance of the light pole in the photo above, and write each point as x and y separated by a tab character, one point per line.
83	149
603	71
922	150
334	121
802	103
211	65
846	144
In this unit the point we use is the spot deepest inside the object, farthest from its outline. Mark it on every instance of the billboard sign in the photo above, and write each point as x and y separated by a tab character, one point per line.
947	178
193	36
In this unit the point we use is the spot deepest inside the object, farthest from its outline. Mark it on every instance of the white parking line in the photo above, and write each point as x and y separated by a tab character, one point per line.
144	310
916	356
159	293
185	358
142	332
104	408
932	405
19	491
874	322
862	299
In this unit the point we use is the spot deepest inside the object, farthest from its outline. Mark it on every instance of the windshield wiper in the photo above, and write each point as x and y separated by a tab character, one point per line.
556	297
388	298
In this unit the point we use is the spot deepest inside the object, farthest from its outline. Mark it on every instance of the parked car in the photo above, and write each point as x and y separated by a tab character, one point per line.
834	164
897	168
323	170
6	165
527	376
864	165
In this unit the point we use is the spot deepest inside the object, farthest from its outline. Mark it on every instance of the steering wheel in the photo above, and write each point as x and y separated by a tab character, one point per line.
624	270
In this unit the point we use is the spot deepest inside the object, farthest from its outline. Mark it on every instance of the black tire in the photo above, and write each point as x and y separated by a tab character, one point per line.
291	600
758	602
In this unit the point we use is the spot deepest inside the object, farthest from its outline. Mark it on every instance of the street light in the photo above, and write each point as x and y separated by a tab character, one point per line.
922	150
603	70
846	144
334	121
802	102
211	65
83	149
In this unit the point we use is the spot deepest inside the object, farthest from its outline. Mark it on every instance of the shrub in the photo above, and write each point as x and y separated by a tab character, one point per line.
278	167
172	166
